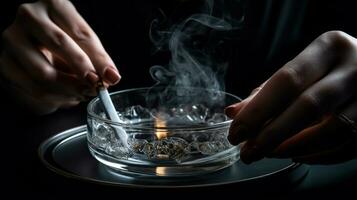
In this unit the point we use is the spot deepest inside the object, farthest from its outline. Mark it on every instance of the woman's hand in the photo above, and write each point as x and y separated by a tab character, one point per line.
51	58
306	110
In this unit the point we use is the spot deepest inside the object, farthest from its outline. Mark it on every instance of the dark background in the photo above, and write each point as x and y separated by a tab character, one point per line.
263	45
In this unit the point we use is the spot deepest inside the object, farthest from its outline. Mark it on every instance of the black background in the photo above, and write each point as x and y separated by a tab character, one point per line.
123	28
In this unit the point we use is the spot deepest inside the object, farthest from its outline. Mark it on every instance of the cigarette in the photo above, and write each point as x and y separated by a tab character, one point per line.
111	113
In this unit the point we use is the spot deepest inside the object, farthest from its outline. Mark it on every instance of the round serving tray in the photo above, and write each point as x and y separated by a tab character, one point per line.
67	154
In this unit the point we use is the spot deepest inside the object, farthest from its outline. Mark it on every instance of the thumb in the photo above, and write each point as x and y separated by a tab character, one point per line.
232	110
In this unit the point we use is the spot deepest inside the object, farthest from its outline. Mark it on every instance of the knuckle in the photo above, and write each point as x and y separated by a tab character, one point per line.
81	33
58	5
80	59
25	12
45	74
336	40
102	57
24	9
57	39
81	62
311	101
54	3
290	76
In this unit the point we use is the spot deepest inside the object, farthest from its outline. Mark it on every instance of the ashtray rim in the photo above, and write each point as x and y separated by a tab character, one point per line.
175	128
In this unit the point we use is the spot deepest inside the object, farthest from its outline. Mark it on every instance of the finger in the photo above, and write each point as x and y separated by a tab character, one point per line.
13	79
284	86
42	29
232	110
69	104
61	88
331	132
37	66
69	85
342	153
64	14
10	75
57	62
323	97
28	94
34	62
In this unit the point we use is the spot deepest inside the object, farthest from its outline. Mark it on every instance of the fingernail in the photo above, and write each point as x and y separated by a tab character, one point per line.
111	76
237	134
92	78
230	111
250	153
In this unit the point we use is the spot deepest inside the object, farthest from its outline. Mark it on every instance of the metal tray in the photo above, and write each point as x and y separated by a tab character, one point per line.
67	154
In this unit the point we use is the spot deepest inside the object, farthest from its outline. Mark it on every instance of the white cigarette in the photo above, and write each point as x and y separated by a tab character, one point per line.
112	114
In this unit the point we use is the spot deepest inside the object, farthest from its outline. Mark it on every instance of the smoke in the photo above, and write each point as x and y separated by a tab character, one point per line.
198	51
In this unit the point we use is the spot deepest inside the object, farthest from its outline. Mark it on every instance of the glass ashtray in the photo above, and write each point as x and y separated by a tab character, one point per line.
169	132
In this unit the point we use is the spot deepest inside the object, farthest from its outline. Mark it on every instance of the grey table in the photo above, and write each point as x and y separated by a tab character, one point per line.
25	172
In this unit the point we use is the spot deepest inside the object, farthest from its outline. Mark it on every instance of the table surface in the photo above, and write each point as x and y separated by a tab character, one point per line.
25	172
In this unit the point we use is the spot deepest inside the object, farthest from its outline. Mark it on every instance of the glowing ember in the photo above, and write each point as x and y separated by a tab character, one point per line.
160	124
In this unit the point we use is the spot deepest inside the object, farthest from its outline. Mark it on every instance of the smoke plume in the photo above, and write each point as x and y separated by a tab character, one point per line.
197	46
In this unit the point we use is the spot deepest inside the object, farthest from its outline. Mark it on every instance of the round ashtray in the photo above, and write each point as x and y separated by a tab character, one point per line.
169	132
67	154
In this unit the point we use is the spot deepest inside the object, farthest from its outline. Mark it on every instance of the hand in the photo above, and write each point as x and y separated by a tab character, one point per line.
297	112
51	58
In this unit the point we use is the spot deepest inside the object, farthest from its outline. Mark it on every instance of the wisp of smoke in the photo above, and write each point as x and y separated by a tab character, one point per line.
197	60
